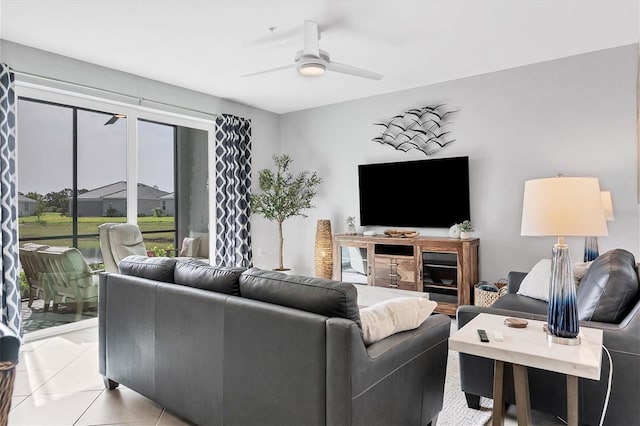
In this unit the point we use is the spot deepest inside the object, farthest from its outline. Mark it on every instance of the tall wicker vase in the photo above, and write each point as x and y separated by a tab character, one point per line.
324	249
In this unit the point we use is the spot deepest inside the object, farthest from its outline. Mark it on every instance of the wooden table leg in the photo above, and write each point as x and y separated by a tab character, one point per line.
572	400
497	415
521	387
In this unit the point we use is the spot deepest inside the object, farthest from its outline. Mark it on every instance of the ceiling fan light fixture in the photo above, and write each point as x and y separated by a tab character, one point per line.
312	69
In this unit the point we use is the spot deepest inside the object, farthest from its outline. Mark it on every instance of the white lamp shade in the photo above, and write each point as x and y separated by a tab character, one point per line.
607	205
563	206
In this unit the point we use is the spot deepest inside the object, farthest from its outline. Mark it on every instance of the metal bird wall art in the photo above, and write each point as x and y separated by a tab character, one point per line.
417	128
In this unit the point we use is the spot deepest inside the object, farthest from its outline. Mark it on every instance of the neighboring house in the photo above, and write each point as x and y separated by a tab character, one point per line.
26	206
167	204
111	200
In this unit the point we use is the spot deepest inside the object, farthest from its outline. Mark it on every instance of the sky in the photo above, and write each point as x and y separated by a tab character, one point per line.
45	150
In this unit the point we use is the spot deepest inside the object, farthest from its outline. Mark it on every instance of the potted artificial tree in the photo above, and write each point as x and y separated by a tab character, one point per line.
284	195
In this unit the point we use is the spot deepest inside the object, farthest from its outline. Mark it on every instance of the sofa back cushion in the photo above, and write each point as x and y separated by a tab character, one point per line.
199	274
609	288
153	268
318	295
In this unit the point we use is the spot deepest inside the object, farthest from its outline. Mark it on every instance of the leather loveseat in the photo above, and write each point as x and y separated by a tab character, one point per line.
226	346
609	299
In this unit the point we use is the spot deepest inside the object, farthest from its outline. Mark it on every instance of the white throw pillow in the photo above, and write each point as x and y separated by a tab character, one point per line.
536	283
579	269
392	316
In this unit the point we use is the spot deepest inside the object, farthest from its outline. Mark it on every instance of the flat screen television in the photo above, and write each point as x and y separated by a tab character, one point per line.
424	193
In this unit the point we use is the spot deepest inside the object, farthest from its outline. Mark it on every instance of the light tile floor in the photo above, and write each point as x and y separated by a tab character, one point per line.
57	383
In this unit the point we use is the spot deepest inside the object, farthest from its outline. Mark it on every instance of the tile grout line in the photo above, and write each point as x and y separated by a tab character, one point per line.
59	371
88	406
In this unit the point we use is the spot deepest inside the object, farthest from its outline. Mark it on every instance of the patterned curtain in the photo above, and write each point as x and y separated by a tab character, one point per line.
233	190
10	287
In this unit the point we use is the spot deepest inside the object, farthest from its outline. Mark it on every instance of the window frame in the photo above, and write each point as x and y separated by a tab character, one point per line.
134	113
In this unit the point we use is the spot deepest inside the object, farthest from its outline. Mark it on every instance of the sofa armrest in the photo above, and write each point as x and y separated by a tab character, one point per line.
359	373
514	279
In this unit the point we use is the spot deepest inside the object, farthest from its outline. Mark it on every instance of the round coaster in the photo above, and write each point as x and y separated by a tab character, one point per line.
516	322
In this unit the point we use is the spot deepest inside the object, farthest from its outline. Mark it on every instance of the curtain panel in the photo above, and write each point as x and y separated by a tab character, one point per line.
10	288
233	191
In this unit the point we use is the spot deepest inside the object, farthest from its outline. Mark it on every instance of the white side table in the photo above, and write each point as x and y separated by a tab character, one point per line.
528	347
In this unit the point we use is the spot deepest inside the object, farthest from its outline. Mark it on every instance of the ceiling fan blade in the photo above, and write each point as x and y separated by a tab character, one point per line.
284	67
311	37
348	69
112	120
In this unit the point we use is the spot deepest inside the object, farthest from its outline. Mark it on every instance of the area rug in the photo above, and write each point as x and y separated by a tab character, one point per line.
455	411
34	318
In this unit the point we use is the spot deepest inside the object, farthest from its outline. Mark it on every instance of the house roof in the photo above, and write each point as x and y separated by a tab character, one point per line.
118	190
23	199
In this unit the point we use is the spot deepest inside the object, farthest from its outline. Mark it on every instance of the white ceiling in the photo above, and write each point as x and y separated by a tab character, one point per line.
208	45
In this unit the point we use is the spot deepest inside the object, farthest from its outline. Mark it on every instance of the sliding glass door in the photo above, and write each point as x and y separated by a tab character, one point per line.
83	162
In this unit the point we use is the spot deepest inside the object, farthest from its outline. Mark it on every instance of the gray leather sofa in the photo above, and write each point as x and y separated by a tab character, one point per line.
223	346
608	299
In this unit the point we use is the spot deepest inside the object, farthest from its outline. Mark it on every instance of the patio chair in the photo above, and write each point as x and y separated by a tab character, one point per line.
70	278
117	241
33	269
195	246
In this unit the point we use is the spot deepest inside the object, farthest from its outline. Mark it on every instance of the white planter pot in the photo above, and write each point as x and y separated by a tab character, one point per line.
465	235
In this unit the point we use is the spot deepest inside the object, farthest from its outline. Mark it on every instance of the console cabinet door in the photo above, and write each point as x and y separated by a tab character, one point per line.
395	272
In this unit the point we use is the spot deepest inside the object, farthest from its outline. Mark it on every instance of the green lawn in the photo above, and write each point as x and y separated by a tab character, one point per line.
53	224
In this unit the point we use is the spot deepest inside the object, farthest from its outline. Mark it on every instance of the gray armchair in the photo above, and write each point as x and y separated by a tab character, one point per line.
548	390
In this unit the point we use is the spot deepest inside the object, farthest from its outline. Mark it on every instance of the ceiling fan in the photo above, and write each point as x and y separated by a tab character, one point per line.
311	61
114	118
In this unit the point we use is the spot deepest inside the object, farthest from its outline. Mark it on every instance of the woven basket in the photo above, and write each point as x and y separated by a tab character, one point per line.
7	377
486	298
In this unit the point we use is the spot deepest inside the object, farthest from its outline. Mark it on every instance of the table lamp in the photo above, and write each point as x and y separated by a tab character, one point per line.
590	242
562	206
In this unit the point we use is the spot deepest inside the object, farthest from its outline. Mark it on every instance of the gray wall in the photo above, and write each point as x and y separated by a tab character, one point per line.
192	182
575	116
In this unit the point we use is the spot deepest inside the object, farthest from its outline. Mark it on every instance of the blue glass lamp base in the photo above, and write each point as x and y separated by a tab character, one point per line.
590	248
562	317
569	341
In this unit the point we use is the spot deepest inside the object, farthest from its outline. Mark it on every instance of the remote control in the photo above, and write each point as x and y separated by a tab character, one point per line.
483	335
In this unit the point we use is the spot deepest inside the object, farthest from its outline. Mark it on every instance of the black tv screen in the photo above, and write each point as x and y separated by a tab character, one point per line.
423	193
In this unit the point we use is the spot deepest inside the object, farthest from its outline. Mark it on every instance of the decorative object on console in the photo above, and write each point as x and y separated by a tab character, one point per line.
454	231
417	128
284	195
465	229
591	243
398	233
562	206
324	249
351	225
